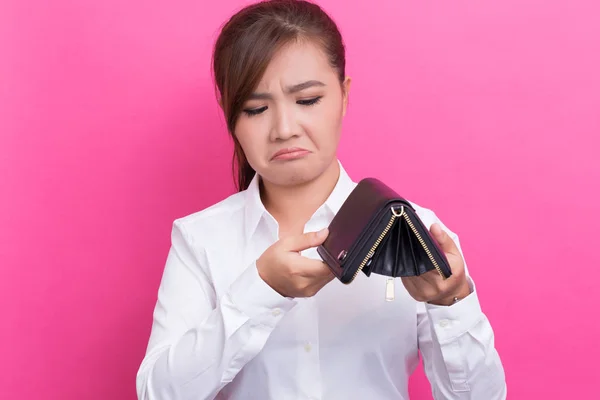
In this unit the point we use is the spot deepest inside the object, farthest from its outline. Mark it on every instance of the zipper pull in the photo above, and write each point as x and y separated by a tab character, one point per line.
390	290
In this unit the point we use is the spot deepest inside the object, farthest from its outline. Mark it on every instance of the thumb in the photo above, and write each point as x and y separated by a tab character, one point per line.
443	239
306	240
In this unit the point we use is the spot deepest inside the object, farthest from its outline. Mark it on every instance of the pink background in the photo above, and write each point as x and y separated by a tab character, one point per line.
485	111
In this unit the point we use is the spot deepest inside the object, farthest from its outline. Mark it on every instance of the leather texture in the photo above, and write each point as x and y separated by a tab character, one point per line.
374	216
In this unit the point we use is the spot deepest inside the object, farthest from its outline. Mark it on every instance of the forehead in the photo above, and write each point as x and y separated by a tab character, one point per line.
297	62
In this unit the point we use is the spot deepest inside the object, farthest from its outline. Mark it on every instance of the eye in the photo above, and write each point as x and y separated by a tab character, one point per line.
255	111
309	102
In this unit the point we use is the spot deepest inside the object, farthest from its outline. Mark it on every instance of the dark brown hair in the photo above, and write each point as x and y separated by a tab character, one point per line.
247	43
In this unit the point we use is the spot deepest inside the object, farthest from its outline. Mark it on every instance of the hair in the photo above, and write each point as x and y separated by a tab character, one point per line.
246	45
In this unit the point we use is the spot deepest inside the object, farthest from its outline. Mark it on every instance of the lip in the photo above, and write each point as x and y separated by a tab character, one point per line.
290	153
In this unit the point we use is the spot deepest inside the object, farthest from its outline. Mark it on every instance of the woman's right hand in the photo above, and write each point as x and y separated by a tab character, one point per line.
290	274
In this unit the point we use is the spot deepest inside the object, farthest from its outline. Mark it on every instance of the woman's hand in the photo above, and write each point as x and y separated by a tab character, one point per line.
431	287
283	268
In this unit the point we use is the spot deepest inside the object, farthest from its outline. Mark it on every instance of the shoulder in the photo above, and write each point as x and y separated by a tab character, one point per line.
213	223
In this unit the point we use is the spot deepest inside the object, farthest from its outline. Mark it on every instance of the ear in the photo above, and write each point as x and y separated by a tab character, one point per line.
346	93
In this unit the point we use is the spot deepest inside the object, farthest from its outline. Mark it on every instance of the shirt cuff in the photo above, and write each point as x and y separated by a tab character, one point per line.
450	322
257	300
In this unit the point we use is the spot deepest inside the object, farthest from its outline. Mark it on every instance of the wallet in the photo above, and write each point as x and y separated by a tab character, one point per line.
376	231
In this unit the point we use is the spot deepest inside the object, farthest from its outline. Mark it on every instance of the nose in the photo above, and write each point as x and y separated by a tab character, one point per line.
284	125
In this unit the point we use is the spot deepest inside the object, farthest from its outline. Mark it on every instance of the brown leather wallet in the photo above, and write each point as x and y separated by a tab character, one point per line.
377	231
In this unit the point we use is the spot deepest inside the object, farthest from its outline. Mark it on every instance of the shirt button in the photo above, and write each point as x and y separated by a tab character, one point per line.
444	323
308	347
276	312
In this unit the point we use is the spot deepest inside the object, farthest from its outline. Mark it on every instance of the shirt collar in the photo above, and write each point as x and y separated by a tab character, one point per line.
255	209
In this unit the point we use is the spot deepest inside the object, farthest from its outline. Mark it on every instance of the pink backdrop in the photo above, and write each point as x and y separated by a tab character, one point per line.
485	111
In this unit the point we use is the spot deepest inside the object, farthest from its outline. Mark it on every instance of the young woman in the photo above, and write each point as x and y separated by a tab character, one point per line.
246	308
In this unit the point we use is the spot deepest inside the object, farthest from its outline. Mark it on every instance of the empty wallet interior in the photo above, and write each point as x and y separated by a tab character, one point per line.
400	253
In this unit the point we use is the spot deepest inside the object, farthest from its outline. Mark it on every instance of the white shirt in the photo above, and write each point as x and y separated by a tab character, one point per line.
219	331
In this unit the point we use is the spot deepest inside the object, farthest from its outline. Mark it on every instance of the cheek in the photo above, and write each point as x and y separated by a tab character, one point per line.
325	122
248	134
332	111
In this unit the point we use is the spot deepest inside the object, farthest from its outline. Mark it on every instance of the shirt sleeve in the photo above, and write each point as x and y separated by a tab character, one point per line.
198	342
457	345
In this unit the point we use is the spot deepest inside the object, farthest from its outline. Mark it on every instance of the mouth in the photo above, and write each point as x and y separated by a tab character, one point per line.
291	153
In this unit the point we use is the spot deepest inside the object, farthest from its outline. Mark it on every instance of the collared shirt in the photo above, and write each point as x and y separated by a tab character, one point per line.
219	331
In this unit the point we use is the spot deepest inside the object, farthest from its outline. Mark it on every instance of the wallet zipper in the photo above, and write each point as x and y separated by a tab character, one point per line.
375	245
396	215
418	235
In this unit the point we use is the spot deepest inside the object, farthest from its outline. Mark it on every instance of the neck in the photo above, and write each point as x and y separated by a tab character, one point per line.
292	206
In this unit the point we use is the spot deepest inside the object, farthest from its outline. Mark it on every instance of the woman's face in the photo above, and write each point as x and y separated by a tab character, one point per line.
290	127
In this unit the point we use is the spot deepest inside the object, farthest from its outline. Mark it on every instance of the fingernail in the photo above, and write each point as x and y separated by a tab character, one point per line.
322	233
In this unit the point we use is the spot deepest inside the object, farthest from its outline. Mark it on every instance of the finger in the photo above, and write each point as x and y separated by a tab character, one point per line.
305	241
443	239
324	280
314	268
321	281
432	277
428	279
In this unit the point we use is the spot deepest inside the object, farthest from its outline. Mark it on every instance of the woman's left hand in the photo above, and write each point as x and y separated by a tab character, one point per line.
431	287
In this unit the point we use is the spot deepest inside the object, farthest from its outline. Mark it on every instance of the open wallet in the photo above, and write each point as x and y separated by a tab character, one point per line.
376	231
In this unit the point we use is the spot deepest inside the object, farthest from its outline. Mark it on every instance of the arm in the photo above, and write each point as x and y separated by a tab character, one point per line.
198	342
457	345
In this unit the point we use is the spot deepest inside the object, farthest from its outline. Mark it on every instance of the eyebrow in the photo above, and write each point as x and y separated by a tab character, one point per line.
290	89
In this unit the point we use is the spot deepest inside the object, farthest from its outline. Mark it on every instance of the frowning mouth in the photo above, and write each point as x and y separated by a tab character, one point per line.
291	153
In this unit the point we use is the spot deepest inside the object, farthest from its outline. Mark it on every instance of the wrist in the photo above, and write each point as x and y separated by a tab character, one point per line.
463	291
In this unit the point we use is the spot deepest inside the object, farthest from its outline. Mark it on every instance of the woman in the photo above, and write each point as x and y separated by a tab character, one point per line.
246	309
